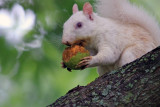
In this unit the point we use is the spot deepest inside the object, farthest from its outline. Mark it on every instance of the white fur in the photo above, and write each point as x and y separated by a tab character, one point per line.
125	12
117	39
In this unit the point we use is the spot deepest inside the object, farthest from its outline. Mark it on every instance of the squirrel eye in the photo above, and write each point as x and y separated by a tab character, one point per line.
79	25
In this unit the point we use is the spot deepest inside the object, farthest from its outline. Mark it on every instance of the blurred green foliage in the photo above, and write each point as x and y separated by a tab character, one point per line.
34	78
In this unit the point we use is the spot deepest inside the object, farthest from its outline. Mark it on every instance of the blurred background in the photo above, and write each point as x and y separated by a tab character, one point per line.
31	51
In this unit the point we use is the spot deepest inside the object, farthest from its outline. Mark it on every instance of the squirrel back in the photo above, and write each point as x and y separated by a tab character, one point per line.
126	12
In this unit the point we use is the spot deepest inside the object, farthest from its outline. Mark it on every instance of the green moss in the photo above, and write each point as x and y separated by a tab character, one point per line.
145	59
95	99
122	71
130	85
67	102
76	93
87	102
72	63
74	105
144	80
135	80
94	93
128	97
117	84
147	70
153	57
118	93
118	75
113	72
109	87
116	103
101	102
91	87
106	90
153	69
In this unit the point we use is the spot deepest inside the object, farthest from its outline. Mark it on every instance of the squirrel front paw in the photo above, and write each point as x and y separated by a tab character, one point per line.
85	62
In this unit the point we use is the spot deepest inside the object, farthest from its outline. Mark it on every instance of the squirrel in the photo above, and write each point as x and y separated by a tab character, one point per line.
117	34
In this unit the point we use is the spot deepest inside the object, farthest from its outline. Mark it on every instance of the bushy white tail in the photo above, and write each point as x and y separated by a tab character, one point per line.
125	12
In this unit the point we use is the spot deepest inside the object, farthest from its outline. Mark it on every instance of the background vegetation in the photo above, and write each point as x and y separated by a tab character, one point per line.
32	76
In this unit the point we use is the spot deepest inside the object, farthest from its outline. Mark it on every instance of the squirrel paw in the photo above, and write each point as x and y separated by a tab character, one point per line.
84	63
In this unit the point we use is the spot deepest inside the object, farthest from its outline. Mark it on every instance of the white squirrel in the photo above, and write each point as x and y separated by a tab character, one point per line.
119	34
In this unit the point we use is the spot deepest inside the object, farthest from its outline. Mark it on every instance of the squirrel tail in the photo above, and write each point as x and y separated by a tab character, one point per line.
126	12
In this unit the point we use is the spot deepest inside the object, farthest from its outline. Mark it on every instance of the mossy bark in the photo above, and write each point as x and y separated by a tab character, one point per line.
135	84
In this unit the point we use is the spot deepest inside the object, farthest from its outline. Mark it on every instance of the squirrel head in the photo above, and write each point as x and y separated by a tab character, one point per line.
80	26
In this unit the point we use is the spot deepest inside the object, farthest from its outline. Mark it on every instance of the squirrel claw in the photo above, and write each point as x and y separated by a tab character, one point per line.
83	67
84	63
87	58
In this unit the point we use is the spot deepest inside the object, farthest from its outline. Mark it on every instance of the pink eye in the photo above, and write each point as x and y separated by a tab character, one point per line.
79	25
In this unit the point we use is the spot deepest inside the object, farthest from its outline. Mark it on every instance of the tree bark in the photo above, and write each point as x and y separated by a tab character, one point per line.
135	84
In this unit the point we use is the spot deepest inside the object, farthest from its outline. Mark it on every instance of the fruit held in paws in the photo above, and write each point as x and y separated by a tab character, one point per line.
73	55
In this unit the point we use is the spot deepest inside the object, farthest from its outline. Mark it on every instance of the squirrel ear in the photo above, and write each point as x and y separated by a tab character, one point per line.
75	8
88	10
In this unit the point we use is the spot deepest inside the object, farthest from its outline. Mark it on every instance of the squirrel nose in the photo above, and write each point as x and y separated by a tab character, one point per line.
66	43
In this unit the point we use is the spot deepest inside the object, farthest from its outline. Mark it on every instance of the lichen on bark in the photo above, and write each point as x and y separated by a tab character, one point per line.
135	84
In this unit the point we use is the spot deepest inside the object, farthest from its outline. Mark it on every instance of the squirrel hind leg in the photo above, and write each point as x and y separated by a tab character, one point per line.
101	71
133	52
126	57
105	69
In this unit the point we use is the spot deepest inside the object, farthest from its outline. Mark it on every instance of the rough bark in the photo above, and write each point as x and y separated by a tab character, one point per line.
135	84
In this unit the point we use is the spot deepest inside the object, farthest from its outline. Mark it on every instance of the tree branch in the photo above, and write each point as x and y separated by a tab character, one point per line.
135	84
